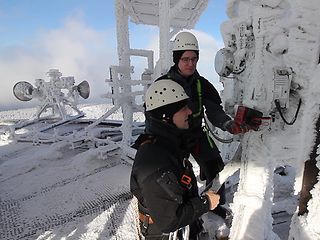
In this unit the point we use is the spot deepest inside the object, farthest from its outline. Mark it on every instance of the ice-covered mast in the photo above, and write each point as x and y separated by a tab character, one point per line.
271	63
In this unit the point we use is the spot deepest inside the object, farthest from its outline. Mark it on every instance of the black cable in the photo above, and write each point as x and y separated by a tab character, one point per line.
277	103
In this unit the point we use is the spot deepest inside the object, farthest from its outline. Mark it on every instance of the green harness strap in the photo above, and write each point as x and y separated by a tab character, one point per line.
200	110
200	99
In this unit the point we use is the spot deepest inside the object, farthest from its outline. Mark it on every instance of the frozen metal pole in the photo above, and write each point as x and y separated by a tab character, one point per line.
164	35
310	174
124	62
166	19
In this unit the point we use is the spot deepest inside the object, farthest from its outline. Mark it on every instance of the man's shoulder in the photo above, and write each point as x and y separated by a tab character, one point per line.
165	76
206	83
202	78
149	147
171	74
149	159
151	152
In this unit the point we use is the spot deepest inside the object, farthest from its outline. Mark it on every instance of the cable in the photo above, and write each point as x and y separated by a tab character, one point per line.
230	140
277	103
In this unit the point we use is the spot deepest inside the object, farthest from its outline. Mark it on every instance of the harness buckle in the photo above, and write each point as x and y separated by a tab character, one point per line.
145	225
186	180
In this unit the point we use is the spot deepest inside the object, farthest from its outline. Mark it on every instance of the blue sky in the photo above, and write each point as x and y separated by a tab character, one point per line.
22	19
75	36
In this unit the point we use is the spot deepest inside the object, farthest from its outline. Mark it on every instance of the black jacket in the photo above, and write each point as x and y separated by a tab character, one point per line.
210	98
159	165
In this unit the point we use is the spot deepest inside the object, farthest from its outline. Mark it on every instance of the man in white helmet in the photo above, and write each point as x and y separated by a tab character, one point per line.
203	98
162	178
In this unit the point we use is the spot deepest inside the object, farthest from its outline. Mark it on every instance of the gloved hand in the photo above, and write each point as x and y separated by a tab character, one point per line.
213	198
235	128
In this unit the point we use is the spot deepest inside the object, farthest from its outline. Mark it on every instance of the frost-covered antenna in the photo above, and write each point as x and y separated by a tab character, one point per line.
55	94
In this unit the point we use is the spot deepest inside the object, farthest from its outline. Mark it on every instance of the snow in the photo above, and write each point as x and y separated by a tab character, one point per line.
75	183
55	192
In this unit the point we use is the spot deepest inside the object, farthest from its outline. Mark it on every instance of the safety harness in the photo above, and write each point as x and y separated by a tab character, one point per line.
197	114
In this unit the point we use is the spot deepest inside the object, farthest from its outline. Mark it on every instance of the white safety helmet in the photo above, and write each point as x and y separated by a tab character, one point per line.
185	41
164	92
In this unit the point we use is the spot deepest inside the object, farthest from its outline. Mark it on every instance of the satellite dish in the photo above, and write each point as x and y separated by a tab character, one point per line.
224	62
23	91
84	89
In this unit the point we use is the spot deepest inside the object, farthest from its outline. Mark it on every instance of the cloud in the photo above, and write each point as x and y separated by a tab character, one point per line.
75	49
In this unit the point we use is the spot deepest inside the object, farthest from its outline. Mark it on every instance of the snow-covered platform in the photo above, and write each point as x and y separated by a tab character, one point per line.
52	191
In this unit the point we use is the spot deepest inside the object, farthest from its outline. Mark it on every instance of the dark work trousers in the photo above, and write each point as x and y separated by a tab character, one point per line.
207	155
151	232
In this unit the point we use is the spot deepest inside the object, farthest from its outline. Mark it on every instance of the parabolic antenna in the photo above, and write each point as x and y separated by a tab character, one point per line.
23	91
224	62
84	89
